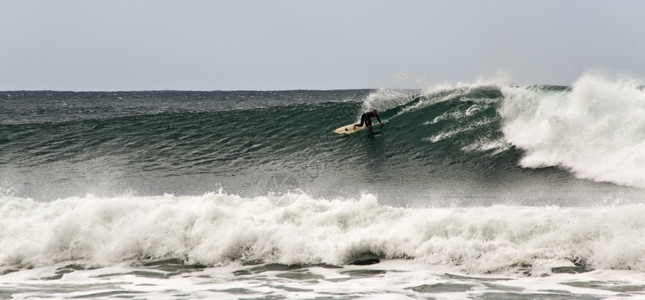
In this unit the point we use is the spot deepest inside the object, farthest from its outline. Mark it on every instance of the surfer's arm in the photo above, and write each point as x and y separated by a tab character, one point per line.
379	119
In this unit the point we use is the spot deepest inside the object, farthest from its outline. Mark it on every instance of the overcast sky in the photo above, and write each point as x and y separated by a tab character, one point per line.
307	44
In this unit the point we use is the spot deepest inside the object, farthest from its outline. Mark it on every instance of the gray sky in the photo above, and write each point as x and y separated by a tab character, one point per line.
307	44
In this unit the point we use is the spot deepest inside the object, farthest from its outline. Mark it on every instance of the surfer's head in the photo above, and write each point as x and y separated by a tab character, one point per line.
374	111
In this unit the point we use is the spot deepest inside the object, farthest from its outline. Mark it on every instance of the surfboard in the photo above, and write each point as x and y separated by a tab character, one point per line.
349	129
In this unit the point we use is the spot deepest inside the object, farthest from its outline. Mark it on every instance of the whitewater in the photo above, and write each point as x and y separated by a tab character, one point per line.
595	130
486	190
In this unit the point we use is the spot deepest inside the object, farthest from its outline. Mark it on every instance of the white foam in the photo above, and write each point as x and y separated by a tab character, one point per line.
216	229
456	131
487	145
596	130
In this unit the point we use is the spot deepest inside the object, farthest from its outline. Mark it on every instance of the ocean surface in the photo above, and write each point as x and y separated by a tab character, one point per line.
485	190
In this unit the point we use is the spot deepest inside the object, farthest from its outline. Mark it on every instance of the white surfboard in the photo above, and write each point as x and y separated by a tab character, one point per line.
349	129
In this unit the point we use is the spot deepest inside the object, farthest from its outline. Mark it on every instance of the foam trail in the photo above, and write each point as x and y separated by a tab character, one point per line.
596	130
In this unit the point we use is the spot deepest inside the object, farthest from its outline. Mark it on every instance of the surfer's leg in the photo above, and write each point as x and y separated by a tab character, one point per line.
364	120
361	123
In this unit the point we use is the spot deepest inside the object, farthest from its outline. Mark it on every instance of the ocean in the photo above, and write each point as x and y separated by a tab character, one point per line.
484	190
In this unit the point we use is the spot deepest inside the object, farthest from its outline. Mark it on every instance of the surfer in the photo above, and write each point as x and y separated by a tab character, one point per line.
366	118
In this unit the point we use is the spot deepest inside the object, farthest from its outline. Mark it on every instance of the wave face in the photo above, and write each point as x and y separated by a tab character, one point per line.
455	145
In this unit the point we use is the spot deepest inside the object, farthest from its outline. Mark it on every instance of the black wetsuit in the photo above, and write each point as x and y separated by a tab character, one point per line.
366	118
